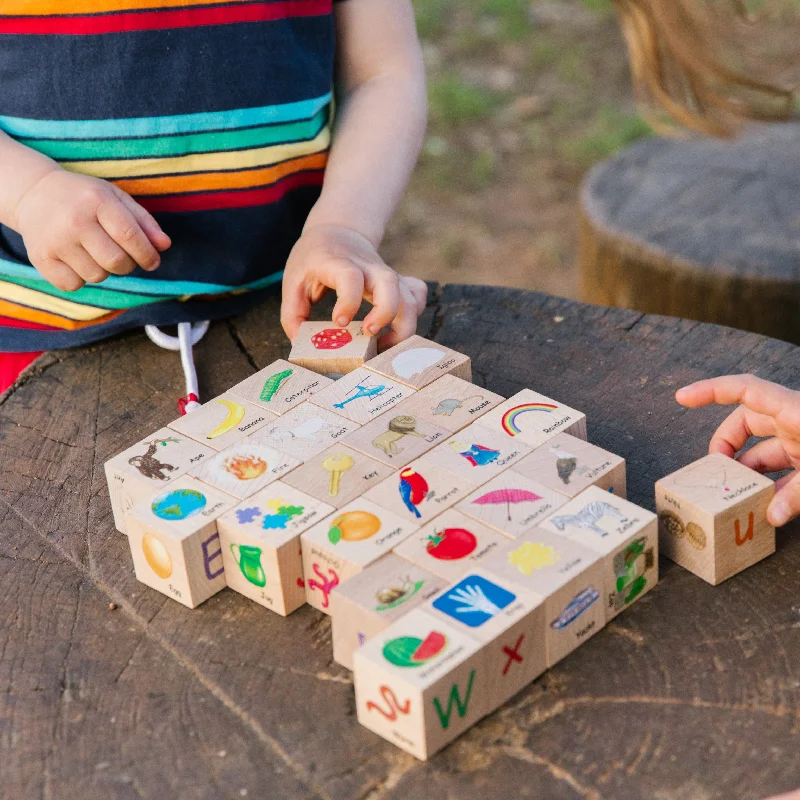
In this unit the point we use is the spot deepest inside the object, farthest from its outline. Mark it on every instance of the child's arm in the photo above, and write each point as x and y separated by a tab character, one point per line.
380	128
765	410
76	229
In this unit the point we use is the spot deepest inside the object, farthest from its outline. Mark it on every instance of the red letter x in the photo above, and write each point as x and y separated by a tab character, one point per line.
513	653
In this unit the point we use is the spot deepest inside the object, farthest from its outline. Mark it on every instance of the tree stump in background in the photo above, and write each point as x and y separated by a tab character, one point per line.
704	229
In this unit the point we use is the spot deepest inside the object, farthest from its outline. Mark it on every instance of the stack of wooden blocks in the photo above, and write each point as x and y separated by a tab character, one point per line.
461	542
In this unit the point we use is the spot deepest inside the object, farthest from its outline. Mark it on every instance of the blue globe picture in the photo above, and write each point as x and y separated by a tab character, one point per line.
179	504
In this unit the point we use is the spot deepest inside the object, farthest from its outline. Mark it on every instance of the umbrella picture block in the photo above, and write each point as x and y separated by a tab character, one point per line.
507	497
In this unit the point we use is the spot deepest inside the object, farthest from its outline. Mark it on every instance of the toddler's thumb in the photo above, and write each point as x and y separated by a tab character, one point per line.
786	503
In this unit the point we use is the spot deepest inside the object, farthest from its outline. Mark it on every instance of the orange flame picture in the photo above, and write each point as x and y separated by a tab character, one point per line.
245	468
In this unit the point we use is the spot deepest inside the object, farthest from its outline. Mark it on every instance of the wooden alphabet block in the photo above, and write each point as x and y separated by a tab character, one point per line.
568	576
419	491
141	470
569	465
330	350
624	535
420	684
338	475
222	421
416	362
396	439
511	503
534	419
361	396
507	621
450	403
372	600
477	454
244	468
281	386
712	517
175	543
260	542
345	543
450	545
305	431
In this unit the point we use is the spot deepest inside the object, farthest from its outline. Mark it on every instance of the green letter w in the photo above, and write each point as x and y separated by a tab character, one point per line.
444	716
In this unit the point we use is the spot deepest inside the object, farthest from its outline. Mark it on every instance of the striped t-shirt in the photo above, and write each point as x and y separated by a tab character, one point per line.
213	114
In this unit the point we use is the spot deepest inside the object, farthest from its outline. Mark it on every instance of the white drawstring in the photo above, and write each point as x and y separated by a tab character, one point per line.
188	336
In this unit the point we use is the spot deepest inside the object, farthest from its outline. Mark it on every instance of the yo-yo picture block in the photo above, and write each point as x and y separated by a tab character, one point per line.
417	362
280	387
331	350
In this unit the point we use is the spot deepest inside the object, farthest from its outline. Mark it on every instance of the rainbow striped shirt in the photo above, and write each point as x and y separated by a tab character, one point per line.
213	114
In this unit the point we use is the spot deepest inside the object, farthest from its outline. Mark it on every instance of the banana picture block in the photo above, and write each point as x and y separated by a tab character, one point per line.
416	362
372	600
175	543
713	517
147	467
331	350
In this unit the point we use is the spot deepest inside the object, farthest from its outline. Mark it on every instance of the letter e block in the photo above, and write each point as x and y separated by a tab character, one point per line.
416	362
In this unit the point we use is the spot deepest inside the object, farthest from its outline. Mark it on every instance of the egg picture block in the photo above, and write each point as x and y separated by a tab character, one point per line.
344	544
327	349
416	362
280	387
175	543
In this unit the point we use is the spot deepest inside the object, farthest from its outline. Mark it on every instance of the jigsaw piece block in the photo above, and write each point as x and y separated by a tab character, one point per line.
416	362
327	349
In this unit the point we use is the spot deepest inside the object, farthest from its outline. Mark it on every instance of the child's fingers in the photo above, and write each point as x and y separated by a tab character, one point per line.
84	265
146	220
60	275
786	503
383	291
419	291
348	281
405	322
122	226
757	394
766	456
732	435
106	252
295	307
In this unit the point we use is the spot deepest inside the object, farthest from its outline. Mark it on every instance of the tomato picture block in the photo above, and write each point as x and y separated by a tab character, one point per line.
332	351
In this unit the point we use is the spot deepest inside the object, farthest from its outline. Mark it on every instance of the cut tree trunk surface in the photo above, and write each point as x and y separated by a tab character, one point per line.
703	229
692	693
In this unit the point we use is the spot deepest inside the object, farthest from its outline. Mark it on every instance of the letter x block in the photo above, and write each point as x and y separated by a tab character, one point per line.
416	362
329	350
174	540
713	517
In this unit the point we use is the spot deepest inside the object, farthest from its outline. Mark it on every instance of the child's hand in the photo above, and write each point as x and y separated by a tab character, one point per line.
765	410
80	230
334	257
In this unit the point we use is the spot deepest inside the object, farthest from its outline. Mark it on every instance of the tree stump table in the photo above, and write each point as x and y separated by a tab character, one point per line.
703	229
693	693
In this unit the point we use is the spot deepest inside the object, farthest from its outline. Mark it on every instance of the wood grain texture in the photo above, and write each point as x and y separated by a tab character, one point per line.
628	730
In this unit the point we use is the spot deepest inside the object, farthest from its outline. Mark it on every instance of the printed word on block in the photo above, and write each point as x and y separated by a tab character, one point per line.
568	576
372	600
361	396
174	540
569	465
244	468
223	421
306	431
143	469
260	541
477	454
624	535
511	503
416	362
450	545
338	475
534	419
713	517
420	683
343	544
396	439
280	387
419	491
329	350
507	621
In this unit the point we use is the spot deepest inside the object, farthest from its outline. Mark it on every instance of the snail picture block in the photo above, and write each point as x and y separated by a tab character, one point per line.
372	600
330	350
712	517
280	387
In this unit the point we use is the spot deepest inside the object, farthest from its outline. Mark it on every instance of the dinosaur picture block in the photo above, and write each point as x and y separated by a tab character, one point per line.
331	350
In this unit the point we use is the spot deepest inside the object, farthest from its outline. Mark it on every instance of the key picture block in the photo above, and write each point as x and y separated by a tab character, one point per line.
712	517
330	350
135	474
346	542
361	396
450	545
260	542
420	683
569	578
534	419
416	362
372	600
223	421
569	465
624	535
175	543
280	387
